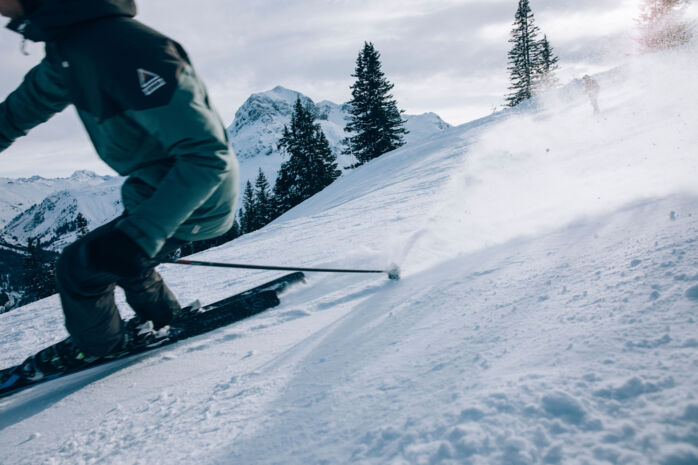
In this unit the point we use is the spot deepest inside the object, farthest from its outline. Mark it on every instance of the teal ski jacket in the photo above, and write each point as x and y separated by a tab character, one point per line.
144	108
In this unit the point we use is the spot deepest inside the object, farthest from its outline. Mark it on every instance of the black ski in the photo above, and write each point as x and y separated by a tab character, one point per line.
190	323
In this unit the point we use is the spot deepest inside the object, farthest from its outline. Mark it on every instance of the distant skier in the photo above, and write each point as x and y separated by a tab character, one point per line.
150	119
591	87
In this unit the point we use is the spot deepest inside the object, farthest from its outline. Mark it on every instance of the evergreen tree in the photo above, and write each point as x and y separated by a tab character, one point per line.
375	122
662	26
324	170
548	62
248	212
39	276
235	231
264	201
524	56
81	225
231	234
311	165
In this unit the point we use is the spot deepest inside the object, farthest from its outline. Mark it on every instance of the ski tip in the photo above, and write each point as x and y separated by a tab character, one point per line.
393	272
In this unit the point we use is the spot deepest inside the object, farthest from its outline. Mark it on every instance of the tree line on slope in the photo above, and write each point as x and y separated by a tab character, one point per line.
374	127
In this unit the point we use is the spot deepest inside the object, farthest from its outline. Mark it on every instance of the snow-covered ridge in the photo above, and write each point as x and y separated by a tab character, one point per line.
57	203
18	194
259	122
54	220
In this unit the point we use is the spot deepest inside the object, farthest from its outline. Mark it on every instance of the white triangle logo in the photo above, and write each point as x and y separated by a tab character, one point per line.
149	81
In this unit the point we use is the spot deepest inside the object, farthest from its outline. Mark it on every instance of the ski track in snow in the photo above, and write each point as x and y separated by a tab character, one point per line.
546	312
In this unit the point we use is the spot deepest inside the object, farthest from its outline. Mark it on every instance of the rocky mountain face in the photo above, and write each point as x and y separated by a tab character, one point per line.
259	122
19	194
55	204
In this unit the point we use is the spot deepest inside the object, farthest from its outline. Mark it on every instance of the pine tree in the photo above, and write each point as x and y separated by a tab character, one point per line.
548	66
81	222
324	165
248	212
235	231
39	276
263	200
311	165
375	123
662	26
524	56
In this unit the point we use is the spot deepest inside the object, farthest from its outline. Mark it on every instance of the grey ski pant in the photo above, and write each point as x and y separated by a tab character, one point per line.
87	296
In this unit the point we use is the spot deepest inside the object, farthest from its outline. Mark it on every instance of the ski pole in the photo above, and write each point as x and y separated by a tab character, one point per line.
393	272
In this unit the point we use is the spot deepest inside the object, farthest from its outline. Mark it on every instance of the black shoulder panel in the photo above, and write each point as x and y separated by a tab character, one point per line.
117	64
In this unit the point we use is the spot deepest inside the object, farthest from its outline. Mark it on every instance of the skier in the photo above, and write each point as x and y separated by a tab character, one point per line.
591	87
150	119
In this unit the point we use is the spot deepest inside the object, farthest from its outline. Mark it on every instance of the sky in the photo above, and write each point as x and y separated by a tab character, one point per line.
443	56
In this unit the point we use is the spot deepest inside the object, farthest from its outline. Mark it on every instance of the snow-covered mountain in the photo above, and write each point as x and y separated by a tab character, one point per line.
259	122
57	203
18	194
546	314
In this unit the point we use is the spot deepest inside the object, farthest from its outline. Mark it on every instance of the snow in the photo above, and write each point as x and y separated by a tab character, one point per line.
98	204
45	208
16	195
546	312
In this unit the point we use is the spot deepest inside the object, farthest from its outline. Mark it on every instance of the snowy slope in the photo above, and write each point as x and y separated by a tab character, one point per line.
259	122
547	311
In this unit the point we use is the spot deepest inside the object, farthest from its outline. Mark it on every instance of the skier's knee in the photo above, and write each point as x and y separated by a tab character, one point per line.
72	272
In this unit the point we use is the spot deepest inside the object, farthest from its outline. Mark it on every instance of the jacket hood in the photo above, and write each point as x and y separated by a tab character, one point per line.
51	18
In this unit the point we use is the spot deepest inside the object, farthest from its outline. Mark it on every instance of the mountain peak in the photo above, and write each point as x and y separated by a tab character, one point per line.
81	175
285	94
266	109
280	95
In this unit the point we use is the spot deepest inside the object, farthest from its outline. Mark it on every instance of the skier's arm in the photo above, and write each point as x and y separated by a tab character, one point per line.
194	136
40	96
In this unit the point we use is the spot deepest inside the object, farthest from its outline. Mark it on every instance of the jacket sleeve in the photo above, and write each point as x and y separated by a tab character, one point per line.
40	96
192	133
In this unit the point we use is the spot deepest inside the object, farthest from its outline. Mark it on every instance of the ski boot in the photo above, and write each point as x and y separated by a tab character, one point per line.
57	359
140	334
